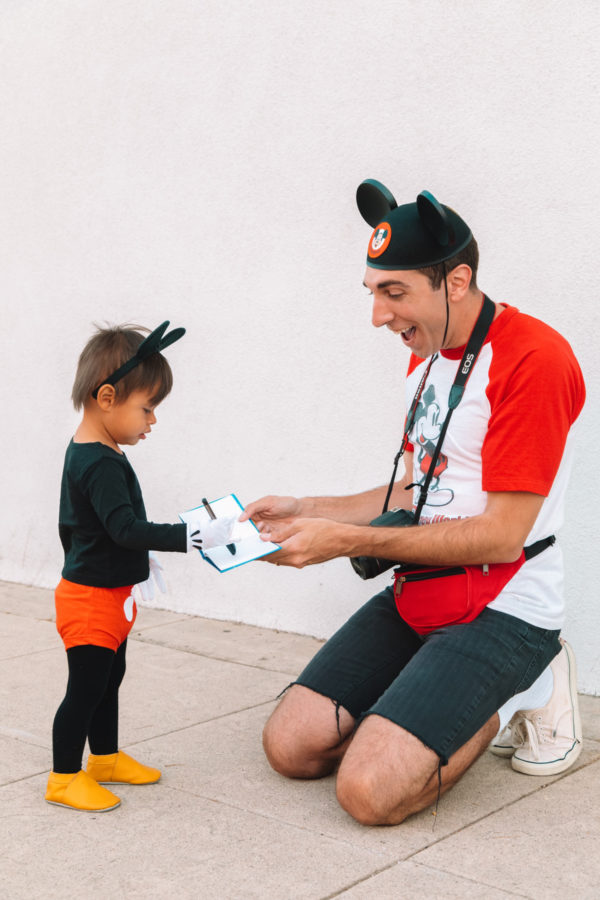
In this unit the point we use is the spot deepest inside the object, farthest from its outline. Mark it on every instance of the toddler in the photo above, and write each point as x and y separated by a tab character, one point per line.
121	378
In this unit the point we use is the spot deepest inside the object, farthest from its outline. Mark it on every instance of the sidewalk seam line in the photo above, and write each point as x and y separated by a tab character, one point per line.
508	805
234	662
280	821
226	715
184	618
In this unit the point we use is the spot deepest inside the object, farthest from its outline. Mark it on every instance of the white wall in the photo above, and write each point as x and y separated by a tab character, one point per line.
198	162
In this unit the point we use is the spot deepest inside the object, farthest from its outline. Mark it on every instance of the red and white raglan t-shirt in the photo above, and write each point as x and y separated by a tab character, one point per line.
510	432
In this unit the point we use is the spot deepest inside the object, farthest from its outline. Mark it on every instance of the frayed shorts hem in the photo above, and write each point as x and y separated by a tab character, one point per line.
442	687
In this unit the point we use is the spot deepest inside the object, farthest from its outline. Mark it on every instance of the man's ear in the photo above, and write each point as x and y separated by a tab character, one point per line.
107	397
459	280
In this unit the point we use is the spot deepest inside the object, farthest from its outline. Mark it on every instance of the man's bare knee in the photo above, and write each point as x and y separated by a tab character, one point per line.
384	773
388	774
358	794
282	750
301	738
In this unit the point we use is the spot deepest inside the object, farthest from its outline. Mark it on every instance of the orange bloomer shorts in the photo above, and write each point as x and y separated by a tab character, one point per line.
92	615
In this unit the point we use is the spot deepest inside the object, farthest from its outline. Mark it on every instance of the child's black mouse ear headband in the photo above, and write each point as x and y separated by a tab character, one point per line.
154	343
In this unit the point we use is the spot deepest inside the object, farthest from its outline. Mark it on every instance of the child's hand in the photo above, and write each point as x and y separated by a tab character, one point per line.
215	533
145	589
156	572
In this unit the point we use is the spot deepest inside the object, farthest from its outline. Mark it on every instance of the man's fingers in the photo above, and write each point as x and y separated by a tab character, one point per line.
255	509
274	558
256	516
279	558
285	557
277	532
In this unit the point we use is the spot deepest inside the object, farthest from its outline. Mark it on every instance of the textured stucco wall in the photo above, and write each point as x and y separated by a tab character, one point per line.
198	162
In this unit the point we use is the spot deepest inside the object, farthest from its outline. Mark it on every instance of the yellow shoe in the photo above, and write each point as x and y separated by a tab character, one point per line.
79	791
119	768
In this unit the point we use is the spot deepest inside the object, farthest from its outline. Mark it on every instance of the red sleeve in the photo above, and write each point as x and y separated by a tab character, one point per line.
536	391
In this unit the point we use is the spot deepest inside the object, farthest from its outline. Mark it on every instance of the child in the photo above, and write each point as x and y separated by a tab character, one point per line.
121	378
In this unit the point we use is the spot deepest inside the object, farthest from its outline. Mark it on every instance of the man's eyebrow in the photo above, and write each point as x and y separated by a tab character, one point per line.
386	284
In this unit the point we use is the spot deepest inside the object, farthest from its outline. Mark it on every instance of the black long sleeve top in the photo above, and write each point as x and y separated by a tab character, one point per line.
102	520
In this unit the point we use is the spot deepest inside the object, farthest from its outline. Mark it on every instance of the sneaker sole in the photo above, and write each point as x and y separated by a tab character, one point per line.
526	767
501	751
554	767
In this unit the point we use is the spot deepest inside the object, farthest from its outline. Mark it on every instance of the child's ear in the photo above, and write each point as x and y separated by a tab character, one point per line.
107	397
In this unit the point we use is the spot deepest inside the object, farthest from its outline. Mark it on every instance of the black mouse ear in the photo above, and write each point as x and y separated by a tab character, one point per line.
171	337
158	340
151	344
435	219
374	201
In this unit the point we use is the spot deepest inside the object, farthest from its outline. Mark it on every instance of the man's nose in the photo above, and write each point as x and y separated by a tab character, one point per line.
381	314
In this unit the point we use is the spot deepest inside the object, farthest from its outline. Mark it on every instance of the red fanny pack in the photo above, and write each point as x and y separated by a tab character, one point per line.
429	597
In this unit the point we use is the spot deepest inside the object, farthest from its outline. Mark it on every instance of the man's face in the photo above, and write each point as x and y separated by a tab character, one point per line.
405	302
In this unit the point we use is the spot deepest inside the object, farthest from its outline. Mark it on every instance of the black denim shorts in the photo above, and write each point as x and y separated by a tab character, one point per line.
443	686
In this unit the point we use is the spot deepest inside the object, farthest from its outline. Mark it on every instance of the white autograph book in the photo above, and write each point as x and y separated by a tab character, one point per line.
248	548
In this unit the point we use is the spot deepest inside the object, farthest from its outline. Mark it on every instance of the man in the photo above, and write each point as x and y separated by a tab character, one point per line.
404	711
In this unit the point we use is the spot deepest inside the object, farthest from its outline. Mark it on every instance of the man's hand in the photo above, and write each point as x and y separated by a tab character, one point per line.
270	509
304	542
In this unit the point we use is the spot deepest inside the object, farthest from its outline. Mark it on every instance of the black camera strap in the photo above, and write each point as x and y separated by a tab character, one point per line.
474	345
410	418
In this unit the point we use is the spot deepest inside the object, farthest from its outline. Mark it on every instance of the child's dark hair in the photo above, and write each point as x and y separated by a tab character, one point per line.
107	350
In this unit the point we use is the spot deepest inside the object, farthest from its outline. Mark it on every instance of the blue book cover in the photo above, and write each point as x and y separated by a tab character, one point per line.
248	547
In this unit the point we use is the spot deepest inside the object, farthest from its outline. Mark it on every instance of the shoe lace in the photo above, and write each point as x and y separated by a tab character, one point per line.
518	732
536	733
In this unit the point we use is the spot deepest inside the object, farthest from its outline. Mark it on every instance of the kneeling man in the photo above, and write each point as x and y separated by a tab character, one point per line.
464	648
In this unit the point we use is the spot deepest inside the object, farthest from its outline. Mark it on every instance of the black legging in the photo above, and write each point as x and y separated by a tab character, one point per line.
90	708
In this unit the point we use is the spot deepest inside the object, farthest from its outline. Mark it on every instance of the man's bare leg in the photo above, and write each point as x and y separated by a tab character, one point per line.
387	774
301	738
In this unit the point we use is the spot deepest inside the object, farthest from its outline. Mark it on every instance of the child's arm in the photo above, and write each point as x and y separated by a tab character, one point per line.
114	493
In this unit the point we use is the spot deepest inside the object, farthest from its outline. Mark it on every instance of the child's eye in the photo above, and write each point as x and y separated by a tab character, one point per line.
147	411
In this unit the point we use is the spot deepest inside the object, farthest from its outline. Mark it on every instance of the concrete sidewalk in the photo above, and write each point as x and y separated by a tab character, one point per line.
221	824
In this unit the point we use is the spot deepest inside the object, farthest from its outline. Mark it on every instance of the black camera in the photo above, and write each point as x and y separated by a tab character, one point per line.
370	566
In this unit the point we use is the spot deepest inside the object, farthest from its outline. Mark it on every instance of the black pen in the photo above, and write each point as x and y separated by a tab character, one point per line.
209	510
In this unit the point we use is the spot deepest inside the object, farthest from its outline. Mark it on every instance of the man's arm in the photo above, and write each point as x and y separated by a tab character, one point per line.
497	535
355	509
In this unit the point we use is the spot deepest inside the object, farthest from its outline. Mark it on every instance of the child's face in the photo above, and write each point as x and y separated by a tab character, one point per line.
130	421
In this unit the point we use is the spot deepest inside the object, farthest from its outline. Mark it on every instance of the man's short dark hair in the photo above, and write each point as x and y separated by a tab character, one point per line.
468	256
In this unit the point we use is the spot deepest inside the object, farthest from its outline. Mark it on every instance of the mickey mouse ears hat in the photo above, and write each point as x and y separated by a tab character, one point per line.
412	236
154	343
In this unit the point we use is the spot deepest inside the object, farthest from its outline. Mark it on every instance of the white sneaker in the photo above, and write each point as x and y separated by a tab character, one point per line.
511	737
553	732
